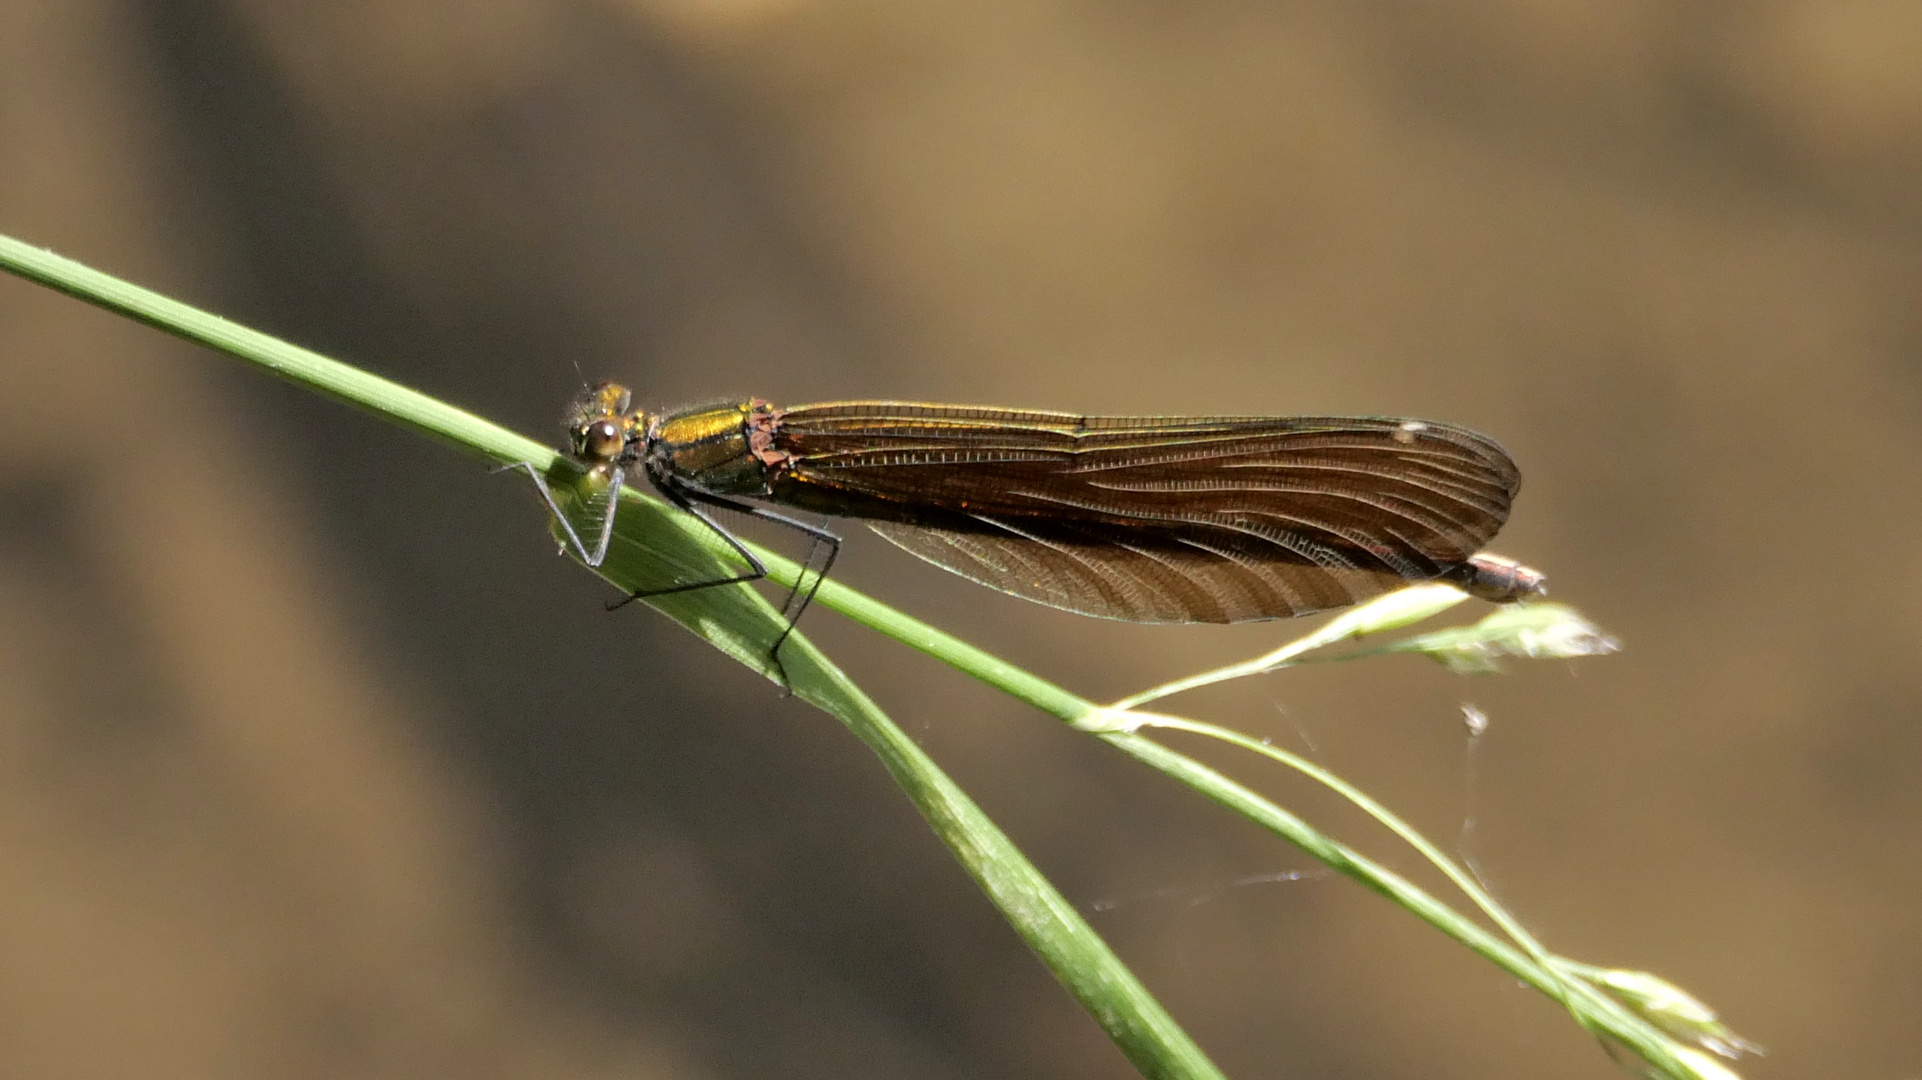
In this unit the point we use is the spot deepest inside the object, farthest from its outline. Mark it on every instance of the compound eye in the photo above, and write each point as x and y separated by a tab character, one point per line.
603	440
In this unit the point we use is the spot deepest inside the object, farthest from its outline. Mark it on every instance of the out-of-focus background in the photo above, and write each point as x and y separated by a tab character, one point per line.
315	761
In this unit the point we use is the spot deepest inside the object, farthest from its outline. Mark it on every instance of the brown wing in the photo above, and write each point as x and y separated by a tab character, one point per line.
1155	519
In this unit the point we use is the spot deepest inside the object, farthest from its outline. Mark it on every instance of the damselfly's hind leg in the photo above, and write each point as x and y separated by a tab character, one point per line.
818	535
613	498
686	500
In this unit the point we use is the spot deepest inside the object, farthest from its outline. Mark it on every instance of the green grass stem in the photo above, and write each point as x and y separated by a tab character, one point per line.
655	545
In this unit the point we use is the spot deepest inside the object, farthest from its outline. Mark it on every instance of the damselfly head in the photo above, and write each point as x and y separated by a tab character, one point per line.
601	425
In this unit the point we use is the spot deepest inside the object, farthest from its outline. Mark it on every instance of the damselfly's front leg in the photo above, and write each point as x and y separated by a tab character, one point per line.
599	554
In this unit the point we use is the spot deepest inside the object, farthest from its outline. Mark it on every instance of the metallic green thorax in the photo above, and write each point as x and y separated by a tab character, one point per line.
710	449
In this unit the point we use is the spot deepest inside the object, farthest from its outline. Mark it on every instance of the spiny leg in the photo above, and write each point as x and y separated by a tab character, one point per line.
688	499
599	554
820	535
807	563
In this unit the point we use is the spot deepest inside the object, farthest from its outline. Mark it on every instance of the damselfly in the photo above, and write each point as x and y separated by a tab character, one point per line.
1159	519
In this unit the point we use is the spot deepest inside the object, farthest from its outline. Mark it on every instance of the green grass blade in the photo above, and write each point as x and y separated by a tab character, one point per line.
653	544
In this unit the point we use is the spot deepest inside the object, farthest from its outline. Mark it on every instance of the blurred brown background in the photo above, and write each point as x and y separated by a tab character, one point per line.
316	762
